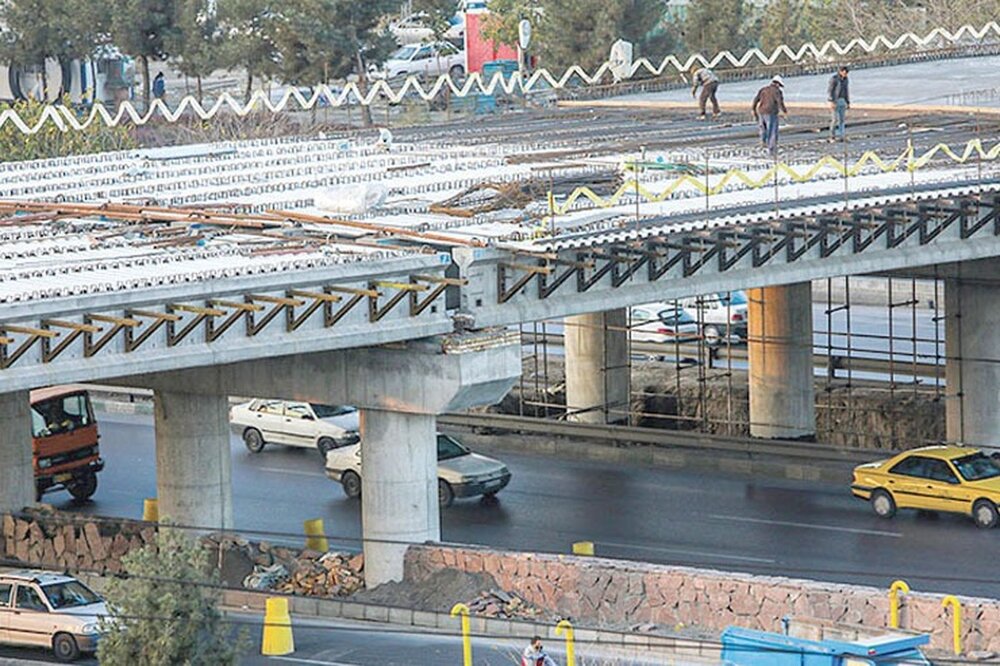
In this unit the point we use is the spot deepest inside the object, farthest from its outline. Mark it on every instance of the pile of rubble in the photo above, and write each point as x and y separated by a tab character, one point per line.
504	605
262	566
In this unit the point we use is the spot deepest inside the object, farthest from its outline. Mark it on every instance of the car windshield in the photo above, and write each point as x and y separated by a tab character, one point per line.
448	448
404	53
976	467
327	411
69	594
732	298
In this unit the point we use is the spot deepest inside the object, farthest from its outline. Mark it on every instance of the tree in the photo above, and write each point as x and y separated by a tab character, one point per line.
783	22
436	15
196	43
712	26
164	610
248	28
143	29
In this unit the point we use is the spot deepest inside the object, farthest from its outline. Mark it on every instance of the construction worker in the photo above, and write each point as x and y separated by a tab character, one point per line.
709	83
840	100
766	106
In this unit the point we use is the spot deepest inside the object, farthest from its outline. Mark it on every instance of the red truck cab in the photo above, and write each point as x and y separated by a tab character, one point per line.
65	452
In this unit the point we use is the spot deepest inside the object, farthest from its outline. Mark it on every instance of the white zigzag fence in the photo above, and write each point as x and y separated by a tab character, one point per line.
66	119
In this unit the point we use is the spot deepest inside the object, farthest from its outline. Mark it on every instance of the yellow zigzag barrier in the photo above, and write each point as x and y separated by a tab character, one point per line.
65	119
973	148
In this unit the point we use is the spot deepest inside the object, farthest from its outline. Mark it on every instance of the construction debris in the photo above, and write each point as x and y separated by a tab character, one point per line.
504	605
309	573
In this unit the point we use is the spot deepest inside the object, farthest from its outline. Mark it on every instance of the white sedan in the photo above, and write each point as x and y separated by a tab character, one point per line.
323	427
461	473
422	60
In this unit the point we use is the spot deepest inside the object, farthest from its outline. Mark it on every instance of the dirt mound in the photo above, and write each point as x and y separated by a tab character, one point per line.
439	592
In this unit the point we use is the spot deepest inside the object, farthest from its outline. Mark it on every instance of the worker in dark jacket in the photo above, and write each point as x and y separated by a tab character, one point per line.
766	106
840	100
709	83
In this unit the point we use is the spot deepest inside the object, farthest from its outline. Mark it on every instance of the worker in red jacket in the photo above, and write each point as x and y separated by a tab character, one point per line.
766	106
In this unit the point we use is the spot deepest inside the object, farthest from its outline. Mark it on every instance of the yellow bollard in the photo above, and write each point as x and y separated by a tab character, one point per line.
150	510
463	610
315	539
277	639
583	548
894	590
564	627
956	620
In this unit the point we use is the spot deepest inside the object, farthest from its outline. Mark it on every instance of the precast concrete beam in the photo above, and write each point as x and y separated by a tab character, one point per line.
193	459
17	477
782	400
972	350
399	496
597	367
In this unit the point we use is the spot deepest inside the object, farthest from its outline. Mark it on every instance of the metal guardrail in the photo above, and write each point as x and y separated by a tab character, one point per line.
682	439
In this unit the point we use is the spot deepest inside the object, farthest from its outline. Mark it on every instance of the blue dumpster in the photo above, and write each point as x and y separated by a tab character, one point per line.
748	647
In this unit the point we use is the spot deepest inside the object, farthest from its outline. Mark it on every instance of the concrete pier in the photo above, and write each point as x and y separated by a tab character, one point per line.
17	478
597	367
782	400
399	493
193	459
972	348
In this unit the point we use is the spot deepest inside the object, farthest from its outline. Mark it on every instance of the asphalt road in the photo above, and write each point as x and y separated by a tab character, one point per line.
350	643
801	529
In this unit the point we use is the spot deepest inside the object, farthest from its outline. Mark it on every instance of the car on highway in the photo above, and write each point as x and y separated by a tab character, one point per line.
721	315
662	322
953	479
423	60
265	421
49	610
461	473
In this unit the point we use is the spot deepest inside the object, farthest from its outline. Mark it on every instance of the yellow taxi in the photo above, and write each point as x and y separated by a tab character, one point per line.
956	479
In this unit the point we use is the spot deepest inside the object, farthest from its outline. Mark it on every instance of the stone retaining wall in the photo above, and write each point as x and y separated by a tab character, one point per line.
603	592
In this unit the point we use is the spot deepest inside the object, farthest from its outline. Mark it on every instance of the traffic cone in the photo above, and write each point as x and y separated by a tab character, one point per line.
315	540
277	638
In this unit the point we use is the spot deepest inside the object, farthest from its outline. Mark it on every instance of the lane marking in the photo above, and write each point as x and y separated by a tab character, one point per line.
298	660
695	553
278	470
828	528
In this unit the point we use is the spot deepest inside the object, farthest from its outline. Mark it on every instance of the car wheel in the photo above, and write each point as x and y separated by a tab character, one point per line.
456	72
984	512
351	483
882	504
446	496
83	487
325	445
65	648
711	336
254	440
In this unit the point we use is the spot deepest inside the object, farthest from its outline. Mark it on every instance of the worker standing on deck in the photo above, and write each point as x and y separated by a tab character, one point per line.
766	106
709	83
840	100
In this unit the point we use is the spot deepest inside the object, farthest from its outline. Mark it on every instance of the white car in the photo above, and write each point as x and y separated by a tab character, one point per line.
422	60
50	610
266	421
722	315
662	322
461	473
413	30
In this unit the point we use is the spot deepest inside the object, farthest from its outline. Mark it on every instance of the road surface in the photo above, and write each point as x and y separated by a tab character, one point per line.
802	529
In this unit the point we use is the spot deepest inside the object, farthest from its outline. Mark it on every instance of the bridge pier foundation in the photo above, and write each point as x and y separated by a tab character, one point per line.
193	459
17	478
782	400
972	350
399	500
597	367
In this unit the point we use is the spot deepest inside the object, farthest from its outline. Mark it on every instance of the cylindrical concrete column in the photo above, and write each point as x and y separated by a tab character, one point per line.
193	459
399	493
597	367
972	348
17	476
782	401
